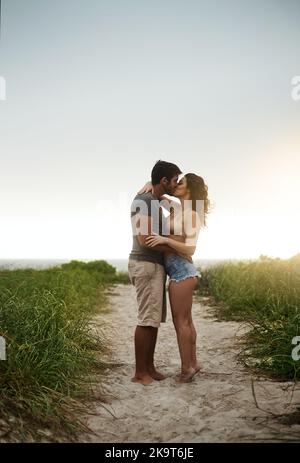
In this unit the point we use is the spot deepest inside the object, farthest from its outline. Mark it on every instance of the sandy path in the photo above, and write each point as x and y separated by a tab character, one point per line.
218	406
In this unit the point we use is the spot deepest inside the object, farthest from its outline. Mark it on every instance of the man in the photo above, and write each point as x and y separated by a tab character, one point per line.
146	269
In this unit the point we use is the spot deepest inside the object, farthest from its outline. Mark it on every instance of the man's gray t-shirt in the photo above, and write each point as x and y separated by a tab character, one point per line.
146	204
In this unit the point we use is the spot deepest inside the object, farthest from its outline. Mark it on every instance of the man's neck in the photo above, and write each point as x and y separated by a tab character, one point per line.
158	191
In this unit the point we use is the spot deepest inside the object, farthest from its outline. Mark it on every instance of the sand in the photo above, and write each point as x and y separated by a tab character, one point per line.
218	406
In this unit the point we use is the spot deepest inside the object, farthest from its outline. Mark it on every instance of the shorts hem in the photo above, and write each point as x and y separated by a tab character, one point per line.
184	278
150	323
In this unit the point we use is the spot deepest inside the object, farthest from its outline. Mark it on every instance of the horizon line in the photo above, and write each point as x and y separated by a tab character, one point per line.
126	258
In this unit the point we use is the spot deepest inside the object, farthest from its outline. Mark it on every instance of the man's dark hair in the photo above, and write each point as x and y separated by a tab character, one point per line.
164	169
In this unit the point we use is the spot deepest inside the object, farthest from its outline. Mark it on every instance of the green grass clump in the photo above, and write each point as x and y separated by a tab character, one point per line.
51	348
266	294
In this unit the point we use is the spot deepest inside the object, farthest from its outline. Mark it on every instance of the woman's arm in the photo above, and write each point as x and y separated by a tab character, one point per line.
149	187
178	246
167	199
182	247
147	228
187	247
146	188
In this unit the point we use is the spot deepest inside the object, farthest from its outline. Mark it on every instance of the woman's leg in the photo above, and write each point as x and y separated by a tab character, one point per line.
181	299
195	364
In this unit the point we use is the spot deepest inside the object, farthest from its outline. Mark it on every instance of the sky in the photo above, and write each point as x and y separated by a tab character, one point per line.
98	91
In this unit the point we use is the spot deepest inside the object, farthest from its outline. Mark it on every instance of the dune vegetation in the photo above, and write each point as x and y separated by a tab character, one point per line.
51	347
266	295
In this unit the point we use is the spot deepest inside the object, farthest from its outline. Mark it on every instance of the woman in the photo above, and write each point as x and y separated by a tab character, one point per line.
192	193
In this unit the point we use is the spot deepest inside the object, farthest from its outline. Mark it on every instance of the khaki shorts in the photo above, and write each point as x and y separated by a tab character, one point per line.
149	280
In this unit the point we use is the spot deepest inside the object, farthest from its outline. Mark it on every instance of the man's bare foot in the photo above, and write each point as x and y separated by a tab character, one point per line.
156	375
187	376
145	380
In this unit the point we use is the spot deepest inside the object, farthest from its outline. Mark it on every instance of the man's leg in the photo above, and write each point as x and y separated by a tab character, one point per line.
148	279
143	341
150	361
158	314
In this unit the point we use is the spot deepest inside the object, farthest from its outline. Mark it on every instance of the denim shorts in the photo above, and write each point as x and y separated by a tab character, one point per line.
178	268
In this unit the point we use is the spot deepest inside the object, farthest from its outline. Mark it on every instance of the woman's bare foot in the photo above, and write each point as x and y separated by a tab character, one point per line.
156	375
197	367
187	376
144	379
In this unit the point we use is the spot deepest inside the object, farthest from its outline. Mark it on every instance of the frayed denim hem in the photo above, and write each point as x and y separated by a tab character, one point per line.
185	278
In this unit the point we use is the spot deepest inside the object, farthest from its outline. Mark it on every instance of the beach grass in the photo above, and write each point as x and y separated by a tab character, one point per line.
51	348
266	295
